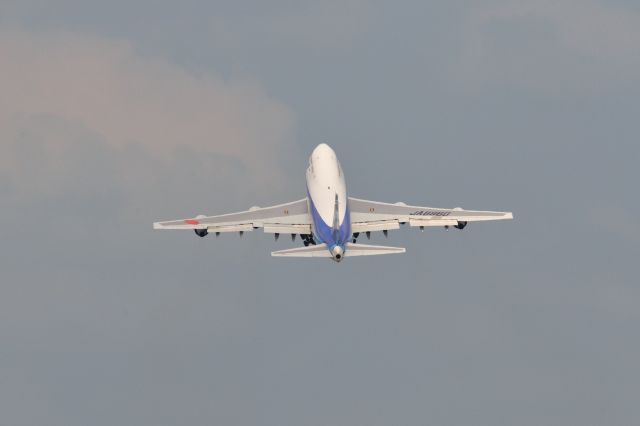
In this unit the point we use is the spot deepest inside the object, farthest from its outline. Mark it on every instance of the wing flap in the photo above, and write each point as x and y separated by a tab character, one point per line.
231	228
432	222
287	229
383	225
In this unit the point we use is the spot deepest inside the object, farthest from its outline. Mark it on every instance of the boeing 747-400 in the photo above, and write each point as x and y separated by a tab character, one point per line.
328	221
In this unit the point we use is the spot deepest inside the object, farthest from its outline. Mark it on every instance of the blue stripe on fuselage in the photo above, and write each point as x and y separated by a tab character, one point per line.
324	232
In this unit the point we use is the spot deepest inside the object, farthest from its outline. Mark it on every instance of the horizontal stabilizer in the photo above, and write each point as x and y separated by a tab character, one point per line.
367	250
352	250
312	251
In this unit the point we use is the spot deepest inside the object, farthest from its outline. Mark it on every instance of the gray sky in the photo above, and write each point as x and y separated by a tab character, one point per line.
114	115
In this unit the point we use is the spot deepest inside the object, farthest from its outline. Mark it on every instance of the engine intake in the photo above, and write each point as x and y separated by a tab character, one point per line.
201	232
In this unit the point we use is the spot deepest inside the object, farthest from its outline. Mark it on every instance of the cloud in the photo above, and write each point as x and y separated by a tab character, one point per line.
73	107
316	25
97	142
551	45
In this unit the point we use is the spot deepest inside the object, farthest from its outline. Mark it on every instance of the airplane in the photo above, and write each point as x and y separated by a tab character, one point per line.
327	220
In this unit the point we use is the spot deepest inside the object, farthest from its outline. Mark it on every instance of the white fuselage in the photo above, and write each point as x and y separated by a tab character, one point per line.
328	203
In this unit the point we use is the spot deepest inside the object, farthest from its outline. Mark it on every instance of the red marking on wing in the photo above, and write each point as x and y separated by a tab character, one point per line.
191	222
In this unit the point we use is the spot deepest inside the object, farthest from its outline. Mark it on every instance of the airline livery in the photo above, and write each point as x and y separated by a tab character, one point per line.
328	221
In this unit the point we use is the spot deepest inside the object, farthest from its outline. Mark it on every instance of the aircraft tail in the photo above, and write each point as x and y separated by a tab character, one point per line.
352	250
312	251
369	250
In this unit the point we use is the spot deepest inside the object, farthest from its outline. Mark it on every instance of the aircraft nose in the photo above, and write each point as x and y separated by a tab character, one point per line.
323	148
338	253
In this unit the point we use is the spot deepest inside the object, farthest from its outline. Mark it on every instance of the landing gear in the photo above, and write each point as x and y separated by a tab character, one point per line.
307	239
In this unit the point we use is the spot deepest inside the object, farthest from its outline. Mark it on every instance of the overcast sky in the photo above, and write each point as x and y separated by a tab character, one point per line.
117	114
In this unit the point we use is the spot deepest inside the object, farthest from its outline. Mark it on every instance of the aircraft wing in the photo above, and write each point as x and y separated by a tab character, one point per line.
367	216
285	218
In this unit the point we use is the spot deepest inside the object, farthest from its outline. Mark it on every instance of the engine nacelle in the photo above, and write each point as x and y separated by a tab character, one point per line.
460	225
201	232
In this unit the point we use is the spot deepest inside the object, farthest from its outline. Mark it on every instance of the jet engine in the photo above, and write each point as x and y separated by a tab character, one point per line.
201	232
